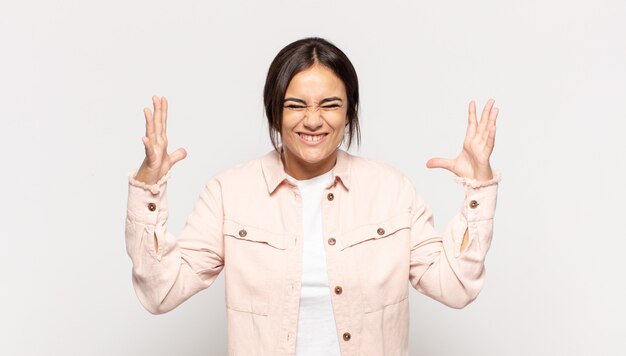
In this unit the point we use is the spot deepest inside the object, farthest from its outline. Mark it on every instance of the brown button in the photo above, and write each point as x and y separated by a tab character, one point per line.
473	204
330	196
347	336
338	290
331	241
243	233
152	206
380	231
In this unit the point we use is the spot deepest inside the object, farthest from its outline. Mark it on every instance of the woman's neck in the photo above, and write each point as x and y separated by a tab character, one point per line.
302	170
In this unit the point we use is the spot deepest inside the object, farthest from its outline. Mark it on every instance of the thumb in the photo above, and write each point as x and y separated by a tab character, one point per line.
178	155
438	162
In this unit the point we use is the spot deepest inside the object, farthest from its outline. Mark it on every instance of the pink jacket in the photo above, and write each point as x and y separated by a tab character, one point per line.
378	235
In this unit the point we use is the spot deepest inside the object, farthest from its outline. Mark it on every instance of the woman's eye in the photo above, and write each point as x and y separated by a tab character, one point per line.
295	107
331	107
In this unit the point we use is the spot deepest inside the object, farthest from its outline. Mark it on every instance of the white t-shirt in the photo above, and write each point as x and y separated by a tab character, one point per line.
317	333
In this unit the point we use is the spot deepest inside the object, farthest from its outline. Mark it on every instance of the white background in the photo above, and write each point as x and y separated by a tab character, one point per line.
76	75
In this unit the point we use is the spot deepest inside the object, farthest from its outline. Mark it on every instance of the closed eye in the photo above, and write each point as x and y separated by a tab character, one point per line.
295	107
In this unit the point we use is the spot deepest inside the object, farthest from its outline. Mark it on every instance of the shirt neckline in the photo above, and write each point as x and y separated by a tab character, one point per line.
274	171
313	180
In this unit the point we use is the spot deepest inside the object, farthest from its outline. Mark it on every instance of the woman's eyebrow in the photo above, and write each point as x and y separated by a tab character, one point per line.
332	98
325	100
296	100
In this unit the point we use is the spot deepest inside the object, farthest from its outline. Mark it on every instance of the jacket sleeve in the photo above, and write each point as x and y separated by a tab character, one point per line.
438	268
167	270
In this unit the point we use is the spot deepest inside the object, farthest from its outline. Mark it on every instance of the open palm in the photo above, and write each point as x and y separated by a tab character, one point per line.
157	161
473	161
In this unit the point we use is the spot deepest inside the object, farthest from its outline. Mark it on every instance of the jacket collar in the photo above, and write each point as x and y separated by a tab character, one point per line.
274	170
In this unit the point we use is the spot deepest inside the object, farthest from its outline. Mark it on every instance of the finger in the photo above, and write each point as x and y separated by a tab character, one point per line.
491	139
164	104
147	147
471	120
440	163
149	123
492	122
145	141
178	155
484	118
157	117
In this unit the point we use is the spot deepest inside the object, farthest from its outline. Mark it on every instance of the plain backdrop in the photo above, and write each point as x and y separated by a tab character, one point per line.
76	75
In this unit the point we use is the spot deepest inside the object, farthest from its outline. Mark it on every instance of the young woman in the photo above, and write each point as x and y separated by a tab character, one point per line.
317	245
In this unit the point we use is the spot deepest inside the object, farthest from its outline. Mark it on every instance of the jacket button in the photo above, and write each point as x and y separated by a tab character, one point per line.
152	206
347	336
243	233
332	241
473	204
330	196
338	290
380	231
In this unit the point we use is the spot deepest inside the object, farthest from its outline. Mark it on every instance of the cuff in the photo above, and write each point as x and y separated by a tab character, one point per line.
473	183
154	188
147	203
480	197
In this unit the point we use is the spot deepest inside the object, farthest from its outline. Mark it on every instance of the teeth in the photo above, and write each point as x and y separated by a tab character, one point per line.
310	138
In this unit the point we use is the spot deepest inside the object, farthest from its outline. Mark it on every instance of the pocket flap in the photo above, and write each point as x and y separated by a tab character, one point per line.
383	229
254	234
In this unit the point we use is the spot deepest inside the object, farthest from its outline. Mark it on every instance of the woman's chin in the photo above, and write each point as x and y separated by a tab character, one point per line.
314	155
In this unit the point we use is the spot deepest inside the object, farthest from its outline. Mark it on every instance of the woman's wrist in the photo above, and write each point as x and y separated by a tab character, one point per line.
483	173
144	177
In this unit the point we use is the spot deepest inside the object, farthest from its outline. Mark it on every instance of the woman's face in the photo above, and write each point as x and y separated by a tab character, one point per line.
314	120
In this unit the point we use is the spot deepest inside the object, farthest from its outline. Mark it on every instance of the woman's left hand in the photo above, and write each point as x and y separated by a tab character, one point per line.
473	161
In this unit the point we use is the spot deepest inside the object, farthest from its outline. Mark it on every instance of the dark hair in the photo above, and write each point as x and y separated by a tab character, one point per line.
296	57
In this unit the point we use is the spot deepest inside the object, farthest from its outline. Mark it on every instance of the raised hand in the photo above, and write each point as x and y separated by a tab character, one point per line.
157	162
473	161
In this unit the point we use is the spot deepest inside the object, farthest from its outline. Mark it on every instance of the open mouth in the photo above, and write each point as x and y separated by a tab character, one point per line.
312	139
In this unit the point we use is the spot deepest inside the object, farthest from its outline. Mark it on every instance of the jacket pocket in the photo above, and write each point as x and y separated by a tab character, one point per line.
252	256
381	253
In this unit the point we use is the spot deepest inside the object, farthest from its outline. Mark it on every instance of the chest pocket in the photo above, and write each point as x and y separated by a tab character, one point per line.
381	254
253	261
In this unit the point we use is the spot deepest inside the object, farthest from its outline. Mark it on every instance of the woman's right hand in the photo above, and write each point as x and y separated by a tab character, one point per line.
157	162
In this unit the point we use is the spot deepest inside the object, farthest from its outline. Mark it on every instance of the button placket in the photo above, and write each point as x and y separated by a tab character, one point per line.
331	241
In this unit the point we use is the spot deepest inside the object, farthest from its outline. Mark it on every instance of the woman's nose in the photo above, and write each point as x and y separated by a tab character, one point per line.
313	120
